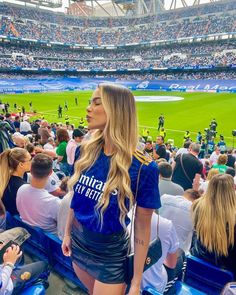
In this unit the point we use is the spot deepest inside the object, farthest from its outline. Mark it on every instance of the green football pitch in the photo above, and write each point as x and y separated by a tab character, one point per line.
193	113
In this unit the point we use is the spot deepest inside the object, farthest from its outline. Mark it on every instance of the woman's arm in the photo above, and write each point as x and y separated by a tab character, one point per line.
142	229
66	244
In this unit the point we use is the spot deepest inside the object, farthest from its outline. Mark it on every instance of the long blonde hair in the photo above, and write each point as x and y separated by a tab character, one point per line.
9	161
214	215
121	132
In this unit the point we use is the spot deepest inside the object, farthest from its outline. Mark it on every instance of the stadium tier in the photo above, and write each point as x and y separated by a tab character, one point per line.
197	42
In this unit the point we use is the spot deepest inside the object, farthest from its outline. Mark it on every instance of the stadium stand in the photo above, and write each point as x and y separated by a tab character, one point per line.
189	49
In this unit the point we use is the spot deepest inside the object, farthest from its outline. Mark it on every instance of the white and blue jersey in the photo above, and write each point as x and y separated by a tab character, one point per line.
90	187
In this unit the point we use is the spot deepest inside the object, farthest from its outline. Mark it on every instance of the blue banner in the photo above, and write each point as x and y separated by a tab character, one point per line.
64	84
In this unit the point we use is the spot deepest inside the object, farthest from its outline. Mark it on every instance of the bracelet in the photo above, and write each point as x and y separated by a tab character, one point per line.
9	264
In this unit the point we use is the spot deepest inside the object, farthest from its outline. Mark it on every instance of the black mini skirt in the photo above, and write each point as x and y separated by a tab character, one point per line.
101	256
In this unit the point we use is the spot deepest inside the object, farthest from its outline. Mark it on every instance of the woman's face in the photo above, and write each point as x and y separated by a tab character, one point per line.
26	164
96	116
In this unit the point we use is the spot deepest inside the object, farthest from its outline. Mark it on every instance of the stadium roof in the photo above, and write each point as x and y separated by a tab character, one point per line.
116	7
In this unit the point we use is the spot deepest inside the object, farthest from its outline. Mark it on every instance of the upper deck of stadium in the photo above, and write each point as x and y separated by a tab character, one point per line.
213	19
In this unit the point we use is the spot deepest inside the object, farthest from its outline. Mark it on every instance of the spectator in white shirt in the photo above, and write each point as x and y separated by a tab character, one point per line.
50	145
76	140
214	156
178	210
25	126
36	206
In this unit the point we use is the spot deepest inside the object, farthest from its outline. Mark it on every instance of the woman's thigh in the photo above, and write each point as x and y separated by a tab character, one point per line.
108	289
85	278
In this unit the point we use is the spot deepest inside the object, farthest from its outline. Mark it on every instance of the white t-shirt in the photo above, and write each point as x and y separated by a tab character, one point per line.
70	151
62	214
214	157
5	280
37	207
203	186
156	275
52	184
49	147
25	126
178	210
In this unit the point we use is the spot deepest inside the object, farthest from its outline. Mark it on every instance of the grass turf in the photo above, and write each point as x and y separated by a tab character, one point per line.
194	113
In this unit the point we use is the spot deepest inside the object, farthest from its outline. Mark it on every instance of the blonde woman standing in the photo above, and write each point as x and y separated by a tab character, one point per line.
214	217
14	163
104	184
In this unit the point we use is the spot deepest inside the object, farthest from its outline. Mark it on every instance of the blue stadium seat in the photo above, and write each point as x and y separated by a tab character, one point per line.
205	276
34	290
181	288
150	291
46	246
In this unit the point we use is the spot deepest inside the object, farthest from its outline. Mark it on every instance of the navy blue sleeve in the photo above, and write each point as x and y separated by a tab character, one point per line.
148	195
77	154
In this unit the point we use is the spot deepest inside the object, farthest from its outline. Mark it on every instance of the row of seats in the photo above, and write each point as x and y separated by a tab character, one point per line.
47	247
200	277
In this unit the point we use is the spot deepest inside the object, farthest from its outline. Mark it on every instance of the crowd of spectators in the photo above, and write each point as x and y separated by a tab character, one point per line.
223	23
67	20
210	55
170	75
181	189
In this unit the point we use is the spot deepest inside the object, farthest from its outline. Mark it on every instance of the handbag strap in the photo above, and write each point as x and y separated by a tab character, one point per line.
134	205
182	166
133	210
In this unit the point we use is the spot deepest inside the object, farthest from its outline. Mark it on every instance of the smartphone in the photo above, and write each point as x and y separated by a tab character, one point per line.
4	248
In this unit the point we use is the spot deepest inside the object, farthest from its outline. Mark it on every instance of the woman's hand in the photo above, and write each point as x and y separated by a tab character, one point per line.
12	254
66	245
134	290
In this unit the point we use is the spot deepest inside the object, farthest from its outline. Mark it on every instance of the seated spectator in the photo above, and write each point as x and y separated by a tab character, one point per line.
25	126
231	172
214	156
77	137
184	149
15	279
214	218
50	145
162	274
62	139
187	167
178	210
17	123
203	186
160	150
44	132
166	186
14	163
149	148
62	214
231	159
35	205
221	163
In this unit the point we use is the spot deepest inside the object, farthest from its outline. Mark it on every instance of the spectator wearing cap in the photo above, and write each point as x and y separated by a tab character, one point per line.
77	137
25	126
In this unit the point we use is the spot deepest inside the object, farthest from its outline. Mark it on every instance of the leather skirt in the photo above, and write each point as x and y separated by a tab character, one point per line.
104	257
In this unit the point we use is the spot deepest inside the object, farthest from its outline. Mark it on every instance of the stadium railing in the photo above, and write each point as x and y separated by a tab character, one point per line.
46	246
